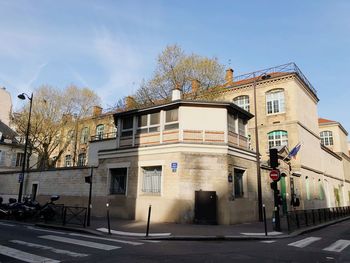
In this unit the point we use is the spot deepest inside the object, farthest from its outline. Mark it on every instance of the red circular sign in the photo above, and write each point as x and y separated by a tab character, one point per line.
275	175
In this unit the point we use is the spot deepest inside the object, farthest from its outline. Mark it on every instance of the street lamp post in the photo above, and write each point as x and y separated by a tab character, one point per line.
260	204
23	97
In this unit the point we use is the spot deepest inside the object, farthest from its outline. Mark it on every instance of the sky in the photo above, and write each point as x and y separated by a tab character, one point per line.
111	46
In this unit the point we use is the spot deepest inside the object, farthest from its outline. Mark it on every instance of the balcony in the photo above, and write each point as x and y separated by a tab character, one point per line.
185	136
103	136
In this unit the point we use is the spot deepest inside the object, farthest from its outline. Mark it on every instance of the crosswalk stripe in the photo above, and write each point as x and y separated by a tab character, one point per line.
79	242
52	249
304	242
338	246
24	256
108	239
45	230
268	241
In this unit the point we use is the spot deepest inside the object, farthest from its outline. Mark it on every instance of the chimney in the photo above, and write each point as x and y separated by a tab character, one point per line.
96	110
229	75
176	93
130	103
195	85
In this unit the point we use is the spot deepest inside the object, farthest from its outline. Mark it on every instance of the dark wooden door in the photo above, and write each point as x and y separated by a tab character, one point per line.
205	207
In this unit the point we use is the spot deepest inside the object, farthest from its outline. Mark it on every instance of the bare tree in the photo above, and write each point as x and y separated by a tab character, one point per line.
52	112
175	69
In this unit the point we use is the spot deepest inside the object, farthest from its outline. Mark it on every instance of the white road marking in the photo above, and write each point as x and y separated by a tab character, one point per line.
338	246
44	230
5	224
152	241
304	242
132	234
52	249
274	233
108	239
24	256
79	242
268	241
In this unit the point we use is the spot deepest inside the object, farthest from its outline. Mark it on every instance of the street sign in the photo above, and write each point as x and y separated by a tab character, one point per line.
275	175
174	167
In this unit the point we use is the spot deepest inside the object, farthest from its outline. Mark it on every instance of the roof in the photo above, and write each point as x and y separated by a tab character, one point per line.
325	122
7	132
177	103
322	120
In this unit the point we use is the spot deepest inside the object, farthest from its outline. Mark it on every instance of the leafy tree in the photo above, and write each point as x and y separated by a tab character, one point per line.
53	110
175	69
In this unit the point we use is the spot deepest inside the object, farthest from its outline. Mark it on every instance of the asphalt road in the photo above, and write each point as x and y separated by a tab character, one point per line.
23	243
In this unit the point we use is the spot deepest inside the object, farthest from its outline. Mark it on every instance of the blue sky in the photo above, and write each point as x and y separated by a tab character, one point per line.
110	46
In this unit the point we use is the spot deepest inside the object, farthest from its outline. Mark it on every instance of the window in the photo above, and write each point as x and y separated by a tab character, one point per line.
84	135
238	182
2	157
70	135
99	131
127	126
171	119
81	159
241	127
149	123
242	101
275	101
320	190
19	159
118	180
231	123
68	161
151	181
326	138
307	188
277	138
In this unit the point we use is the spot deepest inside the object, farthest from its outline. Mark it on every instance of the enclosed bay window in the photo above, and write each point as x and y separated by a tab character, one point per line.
127	126
149	123
277	138
326	138
171	119
151	180
231	123
242	101
275	101
241	127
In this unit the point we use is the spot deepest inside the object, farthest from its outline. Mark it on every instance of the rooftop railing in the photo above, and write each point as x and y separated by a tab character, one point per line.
286	68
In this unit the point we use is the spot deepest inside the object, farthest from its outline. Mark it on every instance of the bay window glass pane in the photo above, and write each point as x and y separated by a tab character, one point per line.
171	115
155	117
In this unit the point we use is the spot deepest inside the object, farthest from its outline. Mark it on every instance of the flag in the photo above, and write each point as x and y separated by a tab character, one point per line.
294	151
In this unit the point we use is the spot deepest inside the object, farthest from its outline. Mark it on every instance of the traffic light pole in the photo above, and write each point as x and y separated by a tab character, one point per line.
277	226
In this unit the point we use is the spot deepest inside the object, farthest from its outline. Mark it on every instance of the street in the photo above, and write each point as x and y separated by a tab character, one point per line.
25	243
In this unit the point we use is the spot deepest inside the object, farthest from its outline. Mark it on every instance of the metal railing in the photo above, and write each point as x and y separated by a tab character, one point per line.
285	68
305	218
74	215
104	136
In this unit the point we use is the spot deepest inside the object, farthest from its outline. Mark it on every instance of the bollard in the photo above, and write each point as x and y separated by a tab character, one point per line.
108	221
264	215
149	218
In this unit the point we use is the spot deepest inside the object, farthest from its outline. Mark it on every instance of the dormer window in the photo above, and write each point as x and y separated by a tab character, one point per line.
326	138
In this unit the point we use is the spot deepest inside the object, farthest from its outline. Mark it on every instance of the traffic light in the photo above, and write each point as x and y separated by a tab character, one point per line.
273	158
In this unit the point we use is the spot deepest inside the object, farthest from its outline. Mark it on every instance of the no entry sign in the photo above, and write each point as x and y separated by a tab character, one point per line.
275	175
